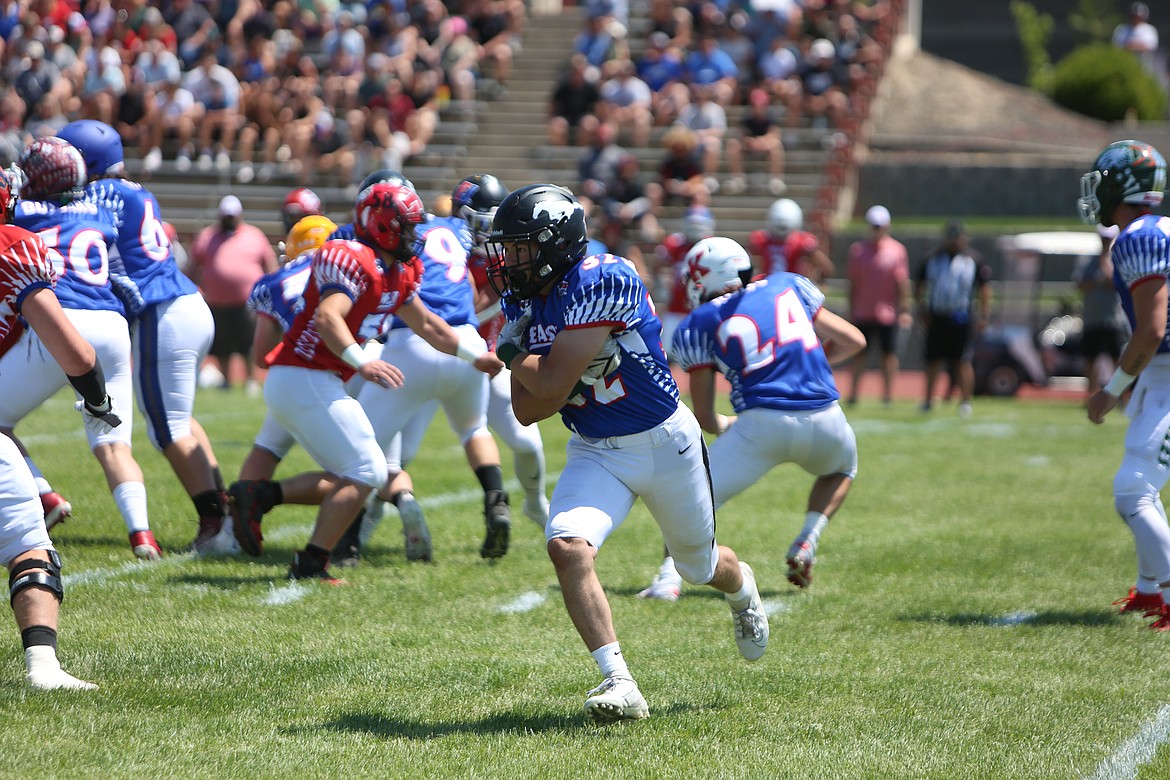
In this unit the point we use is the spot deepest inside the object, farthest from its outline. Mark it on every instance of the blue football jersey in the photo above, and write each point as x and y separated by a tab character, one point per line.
1141	251
78	235
443	245
143	270
762	339
605	290
278	295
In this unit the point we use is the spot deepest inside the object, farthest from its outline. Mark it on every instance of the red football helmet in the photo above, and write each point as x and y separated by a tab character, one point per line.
298	204
55	170
385	215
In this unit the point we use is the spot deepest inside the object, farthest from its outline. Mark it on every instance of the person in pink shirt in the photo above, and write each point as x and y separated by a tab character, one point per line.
879	297
226	260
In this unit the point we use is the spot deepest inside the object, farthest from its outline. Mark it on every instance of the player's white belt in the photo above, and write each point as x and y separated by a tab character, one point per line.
654	437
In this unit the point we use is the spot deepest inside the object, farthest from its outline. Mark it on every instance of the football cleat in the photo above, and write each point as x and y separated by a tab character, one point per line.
144	545
376	510
45	672
497	516
307	566
1146	603
415	534
1163	618
205	538
800	559
751	622
616	699
348	550
665	587
56	509
248	509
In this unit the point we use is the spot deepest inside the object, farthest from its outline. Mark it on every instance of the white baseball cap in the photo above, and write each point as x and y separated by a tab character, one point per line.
230	206
878	216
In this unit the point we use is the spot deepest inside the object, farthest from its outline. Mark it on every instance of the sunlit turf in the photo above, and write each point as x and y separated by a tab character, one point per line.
958	626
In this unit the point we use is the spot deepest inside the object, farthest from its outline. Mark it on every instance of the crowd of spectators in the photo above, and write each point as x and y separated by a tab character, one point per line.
713	82
309	86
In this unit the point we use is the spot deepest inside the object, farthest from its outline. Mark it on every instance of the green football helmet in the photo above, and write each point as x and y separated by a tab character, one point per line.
1125	172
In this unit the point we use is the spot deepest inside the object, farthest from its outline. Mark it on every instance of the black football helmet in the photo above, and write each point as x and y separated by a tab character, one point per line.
475	200
538	234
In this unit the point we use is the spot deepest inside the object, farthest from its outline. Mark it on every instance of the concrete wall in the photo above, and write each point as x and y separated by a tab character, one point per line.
951	189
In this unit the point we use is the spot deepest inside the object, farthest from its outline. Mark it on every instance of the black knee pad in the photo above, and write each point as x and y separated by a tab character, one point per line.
35	573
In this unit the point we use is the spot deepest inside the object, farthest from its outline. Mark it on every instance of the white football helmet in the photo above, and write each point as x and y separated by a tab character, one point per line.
713	264
784	216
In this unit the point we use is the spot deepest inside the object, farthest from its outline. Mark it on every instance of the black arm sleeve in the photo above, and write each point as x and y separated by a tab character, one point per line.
91	386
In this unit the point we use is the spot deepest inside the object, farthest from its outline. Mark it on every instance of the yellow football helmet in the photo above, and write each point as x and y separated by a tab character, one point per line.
308	234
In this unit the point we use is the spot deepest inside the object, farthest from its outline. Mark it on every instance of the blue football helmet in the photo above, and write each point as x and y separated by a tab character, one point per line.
99	144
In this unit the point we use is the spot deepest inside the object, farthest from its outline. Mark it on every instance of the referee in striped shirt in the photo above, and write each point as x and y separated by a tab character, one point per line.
951	283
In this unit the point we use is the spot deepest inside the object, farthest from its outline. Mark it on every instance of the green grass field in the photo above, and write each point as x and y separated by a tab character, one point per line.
959	626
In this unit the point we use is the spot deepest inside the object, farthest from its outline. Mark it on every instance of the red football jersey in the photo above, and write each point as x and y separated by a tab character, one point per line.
490	328
673	251
375	289
25	266
785	254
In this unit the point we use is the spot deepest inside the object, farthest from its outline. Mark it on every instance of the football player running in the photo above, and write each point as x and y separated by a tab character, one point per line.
170	324
447	289
475	200
1126	184
276	299
774	341
375	275
78	235
35	586
784	246
583	340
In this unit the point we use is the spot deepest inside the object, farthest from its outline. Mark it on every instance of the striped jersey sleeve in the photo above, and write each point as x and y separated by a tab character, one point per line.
24	265
336	268
609	299
810	294
1144	252
693	344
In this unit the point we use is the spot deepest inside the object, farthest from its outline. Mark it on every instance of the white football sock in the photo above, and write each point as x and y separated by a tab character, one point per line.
814	523
131	500
611	662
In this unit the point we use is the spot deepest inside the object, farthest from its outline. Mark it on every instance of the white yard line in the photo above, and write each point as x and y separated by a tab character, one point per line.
1137	750
285	594
284	532
99	576
525	602
1016	618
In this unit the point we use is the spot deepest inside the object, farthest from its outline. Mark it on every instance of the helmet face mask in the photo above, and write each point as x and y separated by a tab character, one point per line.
475	200
538	234
711	265
1125	172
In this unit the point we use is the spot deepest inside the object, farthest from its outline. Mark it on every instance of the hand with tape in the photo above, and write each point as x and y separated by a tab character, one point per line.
99	419
511	342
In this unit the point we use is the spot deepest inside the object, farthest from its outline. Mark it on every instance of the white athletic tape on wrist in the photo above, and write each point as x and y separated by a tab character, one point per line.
355	356
470	347
1118	382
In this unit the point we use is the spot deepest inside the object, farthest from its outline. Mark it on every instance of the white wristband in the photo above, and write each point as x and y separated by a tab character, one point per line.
470	347
1118	382
354	355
